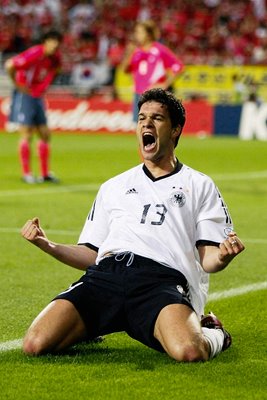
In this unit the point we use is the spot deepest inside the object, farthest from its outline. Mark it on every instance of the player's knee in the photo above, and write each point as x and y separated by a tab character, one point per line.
189	352
33	345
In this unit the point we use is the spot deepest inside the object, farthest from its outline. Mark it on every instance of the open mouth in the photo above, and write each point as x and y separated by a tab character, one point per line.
149	141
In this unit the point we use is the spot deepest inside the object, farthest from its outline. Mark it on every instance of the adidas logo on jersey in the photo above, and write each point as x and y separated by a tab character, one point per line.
131	191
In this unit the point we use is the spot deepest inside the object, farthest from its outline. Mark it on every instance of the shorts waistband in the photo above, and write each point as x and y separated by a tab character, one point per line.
133	260
127	256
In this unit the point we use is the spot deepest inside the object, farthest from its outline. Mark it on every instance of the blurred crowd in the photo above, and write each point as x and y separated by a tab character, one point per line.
214	32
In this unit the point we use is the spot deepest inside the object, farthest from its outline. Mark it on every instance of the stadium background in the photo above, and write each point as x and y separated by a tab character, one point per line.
222	43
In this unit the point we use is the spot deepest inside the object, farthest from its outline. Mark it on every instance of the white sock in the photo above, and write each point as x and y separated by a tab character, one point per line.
215	338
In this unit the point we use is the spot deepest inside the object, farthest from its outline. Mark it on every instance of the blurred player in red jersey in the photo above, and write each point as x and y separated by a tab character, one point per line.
32	71
151	63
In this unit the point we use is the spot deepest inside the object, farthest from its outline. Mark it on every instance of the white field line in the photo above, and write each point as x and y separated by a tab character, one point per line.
33	190
49	231
240	176
11	345
76	233
16	344
237	291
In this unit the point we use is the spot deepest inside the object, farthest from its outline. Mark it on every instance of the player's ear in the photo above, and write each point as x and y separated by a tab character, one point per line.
176	132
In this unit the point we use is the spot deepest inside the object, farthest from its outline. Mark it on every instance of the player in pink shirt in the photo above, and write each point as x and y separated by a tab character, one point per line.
32	71
151	63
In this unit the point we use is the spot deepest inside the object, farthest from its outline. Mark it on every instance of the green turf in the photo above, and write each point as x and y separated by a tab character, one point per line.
121	368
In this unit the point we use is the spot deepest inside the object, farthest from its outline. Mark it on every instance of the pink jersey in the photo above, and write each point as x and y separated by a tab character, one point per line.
36	70
150	67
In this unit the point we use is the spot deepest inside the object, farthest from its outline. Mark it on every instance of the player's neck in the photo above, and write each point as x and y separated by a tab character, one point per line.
146	46
161	167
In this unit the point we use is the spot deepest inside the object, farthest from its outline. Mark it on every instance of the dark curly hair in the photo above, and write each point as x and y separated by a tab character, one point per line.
53	34
175	108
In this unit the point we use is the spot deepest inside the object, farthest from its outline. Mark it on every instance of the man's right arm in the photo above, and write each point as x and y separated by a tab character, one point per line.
10	69
126	61
76	256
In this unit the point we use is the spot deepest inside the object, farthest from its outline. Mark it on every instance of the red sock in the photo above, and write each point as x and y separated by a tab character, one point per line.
25	155
43	153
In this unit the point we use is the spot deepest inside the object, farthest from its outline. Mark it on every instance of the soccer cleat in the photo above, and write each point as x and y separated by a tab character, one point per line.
48	178
28	179
97	339
210	321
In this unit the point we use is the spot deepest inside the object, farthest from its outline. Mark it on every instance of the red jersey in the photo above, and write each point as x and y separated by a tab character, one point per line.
150	67
36	70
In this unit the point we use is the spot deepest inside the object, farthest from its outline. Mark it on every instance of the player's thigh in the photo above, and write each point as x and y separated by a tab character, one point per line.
56	327
43	132
177	326
26	132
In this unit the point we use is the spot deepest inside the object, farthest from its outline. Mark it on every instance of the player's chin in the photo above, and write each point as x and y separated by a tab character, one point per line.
148	155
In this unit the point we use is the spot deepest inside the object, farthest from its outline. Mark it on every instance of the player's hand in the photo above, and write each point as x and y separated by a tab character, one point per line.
22	89
33	232
230	247
131	46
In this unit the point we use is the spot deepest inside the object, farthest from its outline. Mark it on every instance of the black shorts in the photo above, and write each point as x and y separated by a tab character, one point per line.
126	292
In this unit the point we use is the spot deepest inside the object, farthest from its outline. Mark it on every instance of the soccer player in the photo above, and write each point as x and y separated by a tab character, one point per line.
149	243
31	72
151	63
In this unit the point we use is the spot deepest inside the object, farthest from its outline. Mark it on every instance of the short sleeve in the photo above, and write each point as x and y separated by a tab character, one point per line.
213	218
95	228
26	58
170	60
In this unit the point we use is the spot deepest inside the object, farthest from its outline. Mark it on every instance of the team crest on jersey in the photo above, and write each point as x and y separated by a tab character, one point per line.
178	199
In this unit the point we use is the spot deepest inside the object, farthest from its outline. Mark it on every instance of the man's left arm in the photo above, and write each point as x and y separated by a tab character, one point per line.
214	259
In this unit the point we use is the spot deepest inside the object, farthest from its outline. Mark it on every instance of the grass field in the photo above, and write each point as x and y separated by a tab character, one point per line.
121	368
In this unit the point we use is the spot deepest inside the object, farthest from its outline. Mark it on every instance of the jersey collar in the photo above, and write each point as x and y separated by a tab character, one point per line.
175	171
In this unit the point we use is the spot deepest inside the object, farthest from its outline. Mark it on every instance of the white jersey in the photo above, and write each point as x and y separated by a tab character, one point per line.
163	219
